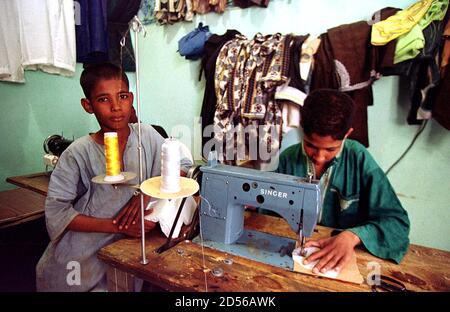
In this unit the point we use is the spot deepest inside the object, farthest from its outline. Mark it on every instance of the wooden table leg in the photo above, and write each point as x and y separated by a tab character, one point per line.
120	281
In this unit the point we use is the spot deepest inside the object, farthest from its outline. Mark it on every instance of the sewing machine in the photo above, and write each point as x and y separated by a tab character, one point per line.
54	146
226	190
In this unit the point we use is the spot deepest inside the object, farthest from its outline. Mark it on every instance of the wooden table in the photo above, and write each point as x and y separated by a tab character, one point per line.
36	182
19	206
181	267
25	203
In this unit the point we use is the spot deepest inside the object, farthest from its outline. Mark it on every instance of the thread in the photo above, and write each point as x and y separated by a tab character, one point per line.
170	166
201	238
111	142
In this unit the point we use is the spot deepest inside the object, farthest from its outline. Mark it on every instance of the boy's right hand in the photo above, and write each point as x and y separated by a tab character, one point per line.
130	213
335	252
134	230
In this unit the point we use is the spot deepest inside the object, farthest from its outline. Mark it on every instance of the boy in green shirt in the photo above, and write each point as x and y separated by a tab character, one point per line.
357	195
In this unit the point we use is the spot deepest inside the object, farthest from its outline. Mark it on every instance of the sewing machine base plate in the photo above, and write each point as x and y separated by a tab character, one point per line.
258	246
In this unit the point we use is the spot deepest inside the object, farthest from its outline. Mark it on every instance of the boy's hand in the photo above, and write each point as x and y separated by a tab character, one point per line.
335	252
130	213
134	230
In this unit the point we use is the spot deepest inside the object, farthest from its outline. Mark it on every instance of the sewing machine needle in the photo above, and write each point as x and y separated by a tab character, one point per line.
302	247
301	236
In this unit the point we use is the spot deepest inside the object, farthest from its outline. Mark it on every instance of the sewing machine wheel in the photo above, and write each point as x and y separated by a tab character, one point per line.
56	144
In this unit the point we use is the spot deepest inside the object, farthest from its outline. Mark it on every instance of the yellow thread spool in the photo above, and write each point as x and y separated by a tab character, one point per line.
111	141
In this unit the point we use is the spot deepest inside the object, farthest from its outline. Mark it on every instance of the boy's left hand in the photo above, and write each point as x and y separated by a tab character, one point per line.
130	213
335	252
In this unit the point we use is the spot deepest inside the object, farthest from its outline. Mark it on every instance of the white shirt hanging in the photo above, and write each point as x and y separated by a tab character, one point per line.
38	34
10	51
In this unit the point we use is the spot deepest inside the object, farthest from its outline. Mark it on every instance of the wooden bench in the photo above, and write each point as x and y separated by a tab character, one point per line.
19	206
37	182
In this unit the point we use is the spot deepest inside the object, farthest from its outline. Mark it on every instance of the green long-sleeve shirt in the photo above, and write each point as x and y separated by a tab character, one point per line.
357	197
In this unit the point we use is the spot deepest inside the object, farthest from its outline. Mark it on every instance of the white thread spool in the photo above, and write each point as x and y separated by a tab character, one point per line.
170	166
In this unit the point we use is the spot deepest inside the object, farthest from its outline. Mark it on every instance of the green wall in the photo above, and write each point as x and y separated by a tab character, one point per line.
44	105
171	96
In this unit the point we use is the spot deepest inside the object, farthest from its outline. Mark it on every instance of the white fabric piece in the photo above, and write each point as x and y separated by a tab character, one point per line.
310	250
285	92
37	34
291	99
290	113
165	211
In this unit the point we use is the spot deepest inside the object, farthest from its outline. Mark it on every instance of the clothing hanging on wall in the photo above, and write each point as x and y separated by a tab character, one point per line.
258	95
410	44
445	55
120	13
247	74
248	3
91	32
400	23
424	76
172	11
417	58
146	12
192	45
246	70
325	76
103	24
10	53
290	99
37	34
206	6
308	50
212	48
295	79
441	109
346	61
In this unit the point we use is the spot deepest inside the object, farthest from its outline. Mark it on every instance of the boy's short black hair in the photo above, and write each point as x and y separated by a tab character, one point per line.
95	72
327	112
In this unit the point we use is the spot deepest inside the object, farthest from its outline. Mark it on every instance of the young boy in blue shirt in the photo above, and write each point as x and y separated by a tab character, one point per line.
83	216
357	196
